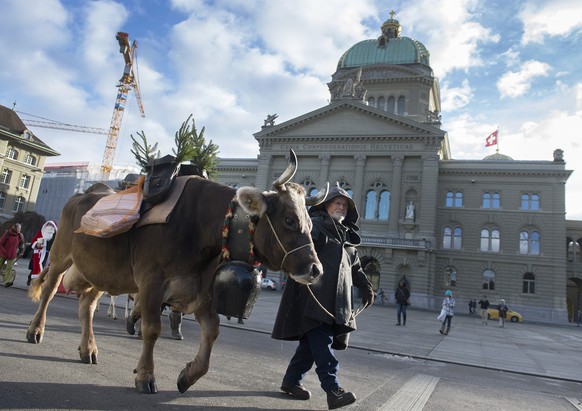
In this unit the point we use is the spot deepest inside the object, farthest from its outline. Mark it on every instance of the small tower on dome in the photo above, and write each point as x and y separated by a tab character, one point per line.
391	29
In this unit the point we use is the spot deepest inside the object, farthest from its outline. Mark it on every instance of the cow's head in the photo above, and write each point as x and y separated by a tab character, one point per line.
283	233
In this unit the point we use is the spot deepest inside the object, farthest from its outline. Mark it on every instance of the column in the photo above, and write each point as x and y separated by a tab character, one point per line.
428	197
264	165
324	166
395	195
359	182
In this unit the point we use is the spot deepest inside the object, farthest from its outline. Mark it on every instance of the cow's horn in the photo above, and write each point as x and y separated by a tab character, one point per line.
317	198
288	173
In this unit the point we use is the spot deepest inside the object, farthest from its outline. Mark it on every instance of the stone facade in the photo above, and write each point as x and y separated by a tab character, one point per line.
22	158
494	226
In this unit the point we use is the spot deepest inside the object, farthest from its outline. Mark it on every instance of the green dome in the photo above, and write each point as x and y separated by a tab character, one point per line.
389	48
498	156
401	50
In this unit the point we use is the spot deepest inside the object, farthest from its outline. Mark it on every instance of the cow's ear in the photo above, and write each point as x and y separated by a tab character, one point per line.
251	200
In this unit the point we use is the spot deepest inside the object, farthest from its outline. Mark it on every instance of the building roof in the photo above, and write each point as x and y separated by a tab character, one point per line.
389	48
10	122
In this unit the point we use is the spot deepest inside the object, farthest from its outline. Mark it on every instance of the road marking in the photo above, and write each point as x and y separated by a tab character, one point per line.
575	402
413	395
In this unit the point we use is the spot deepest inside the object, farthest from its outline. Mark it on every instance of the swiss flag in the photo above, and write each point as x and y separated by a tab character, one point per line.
492	139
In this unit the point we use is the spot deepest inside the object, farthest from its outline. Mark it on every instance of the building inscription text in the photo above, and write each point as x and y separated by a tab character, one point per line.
350	147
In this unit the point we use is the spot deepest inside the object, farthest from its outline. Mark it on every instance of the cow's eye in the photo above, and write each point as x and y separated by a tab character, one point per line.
290	222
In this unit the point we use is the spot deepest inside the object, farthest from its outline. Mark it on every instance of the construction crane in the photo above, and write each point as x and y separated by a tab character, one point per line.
128	81
64	126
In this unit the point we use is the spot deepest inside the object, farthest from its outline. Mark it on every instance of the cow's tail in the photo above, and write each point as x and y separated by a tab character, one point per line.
35	289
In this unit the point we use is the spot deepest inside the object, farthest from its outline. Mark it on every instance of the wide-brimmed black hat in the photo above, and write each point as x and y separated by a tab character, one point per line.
352	215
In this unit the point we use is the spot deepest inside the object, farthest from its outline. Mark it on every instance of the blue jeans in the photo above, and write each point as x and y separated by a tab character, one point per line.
401	312
315	347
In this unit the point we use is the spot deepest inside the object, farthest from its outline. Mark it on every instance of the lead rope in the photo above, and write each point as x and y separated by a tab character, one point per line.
281	244
354	314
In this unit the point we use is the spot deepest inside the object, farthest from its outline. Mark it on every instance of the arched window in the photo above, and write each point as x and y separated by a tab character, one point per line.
2	199
529	283
372	102
391	105
381	103
12	154
454	199
450	276
529	242
492	201
346	186
370	205
490	240
489	280
18	204
384	205
401	105
574	251
530	202
29	159
535	202
452	238
377	203
457	238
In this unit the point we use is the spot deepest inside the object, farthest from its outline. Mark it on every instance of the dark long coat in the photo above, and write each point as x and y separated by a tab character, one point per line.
299	312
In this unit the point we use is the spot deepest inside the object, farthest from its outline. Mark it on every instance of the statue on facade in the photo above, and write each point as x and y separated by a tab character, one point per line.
409	211
270	120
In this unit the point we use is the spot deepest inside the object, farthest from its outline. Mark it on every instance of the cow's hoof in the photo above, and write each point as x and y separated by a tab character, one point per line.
183	384
130	326
34	337
88	358
146	387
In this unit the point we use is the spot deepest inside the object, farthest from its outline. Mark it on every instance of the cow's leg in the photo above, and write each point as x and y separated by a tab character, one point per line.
133	317
111	310
44	288
88	347
209	326
151	327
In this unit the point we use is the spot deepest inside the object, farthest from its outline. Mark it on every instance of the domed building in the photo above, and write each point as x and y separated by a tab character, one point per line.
494	226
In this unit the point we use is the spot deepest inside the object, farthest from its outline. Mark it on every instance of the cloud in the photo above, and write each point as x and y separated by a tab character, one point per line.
550	18
454	98
516	83
454	49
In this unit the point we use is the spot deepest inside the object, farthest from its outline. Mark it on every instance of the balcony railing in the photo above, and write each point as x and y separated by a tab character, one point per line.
396	242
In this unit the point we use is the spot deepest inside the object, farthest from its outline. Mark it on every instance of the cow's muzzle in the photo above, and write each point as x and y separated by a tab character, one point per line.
310	278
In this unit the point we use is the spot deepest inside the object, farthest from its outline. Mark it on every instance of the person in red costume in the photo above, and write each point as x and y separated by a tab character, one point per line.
41	246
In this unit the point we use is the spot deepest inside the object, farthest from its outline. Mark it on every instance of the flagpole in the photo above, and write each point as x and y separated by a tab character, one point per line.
497	140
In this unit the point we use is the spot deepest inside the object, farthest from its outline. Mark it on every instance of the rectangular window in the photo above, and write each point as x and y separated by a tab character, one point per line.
5	178
24	181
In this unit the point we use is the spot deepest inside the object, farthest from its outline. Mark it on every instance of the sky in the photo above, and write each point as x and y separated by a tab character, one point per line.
512	65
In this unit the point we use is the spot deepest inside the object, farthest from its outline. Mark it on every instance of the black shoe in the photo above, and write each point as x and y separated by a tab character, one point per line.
8	284
339	398
397	323
298	391
28	281
441	331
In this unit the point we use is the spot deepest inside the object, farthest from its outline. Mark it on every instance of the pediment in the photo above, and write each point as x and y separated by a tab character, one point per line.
348	119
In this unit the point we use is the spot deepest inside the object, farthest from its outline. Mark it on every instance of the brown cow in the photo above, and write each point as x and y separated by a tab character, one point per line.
174	263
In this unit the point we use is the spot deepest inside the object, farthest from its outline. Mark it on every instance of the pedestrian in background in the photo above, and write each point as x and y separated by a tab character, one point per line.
321	316
484	305
11	247
41	245
449	309
502	312
401	295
